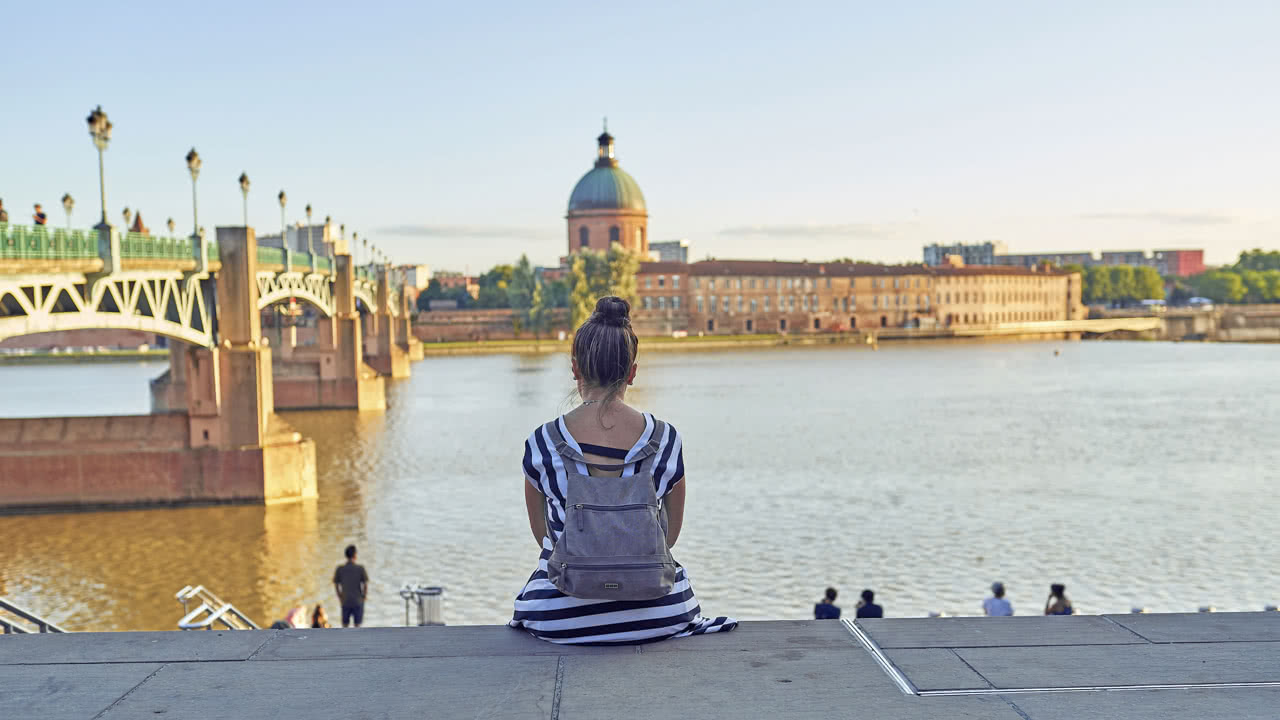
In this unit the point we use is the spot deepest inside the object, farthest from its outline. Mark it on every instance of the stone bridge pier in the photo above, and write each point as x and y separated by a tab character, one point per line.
332	373
386	341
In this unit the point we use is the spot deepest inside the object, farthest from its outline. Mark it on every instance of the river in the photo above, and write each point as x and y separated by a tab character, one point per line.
1136	473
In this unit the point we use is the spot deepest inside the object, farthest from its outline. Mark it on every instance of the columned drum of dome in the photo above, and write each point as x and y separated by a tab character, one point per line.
606	206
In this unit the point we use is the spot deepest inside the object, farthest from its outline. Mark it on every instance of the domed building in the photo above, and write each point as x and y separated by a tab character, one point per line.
607	206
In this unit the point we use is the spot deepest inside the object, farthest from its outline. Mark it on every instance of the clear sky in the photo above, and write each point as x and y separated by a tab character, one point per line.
453	133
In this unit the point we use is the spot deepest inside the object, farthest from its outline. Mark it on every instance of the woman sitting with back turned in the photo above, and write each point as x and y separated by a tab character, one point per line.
605	499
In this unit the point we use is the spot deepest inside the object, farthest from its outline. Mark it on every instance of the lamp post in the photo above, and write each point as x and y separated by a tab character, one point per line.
68	203
284	229
100	130
171	225
128	217
355	249
244	190
193	165
366	249
310	249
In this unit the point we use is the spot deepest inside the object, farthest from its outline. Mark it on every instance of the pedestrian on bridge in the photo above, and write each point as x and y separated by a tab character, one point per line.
39	217
352	584
4	214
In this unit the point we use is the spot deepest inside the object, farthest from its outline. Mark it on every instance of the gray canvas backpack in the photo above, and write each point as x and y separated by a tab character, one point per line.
614	544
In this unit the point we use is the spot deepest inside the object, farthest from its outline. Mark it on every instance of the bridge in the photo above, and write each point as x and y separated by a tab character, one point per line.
214	435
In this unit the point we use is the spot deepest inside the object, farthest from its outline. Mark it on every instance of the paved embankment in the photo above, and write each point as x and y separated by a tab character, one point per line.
1128	666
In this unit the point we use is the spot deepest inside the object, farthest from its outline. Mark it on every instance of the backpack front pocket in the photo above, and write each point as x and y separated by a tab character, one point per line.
639	581
615	530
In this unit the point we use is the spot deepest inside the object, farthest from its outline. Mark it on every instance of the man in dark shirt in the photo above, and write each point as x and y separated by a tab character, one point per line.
39	217
352	584
867	608
827	609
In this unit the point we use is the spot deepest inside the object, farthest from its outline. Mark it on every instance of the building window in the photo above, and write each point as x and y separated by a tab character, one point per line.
583	237
675	282
828	283
739	303
648	282
766	303
752	283
791	303
711	306
662	280
711	325
782	324
853	322
766	283
711	283
724	303
662	303
804	303
753	306
750	325
875	301
737	283
895	283
615	235
698	300
817	324
646	302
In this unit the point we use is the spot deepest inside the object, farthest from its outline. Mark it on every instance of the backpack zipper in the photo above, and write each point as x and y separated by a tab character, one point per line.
585	506
564	566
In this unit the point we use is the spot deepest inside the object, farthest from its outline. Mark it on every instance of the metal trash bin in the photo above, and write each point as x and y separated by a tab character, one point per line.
428	599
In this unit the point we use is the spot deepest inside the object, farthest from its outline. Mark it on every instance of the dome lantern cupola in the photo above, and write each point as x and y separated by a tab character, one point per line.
604	153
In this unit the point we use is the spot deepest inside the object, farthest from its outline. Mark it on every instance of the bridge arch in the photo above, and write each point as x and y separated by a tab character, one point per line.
162	302
313	288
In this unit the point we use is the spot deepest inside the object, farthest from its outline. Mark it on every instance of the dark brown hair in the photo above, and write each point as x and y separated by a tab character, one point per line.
605	347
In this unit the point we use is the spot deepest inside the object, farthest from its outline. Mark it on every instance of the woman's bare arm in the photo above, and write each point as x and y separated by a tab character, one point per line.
674	502
535	503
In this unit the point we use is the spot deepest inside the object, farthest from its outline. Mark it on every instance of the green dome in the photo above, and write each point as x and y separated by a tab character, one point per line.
606	188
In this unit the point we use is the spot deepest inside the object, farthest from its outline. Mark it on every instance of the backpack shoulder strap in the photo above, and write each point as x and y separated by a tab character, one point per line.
649	453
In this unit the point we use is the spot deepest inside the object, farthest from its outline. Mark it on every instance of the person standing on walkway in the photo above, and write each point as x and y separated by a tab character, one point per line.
39	217
826	609
4	214
352	584
1058	604
996	605
867	607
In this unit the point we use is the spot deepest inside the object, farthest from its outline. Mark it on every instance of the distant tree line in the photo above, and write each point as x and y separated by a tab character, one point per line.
1255	278
532	299
1118	284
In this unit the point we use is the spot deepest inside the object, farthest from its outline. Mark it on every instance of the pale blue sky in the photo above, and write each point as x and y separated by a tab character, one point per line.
453	133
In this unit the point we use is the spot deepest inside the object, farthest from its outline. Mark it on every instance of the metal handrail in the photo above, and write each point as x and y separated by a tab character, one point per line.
214	610
43	625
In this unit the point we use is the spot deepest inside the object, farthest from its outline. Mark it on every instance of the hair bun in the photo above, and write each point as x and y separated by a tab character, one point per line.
613	310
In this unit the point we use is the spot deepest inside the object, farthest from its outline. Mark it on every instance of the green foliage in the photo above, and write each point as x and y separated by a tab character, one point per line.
1084	278
520	290
1148	285
1098	283
1259	260
556	293
1124	287
1273	284
540	309
623	266
589	280
1222	286
435	291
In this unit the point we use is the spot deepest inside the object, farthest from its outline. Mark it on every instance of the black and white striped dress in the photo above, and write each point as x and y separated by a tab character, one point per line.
551	615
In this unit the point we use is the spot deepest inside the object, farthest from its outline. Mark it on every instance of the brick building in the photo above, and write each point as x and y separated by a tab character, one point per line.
754	296
606	206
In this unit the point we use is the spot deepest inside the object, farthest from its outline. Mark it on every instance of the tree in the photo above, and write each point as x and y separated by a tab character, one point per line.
624	265
540	309
1258	259
1148	285
1273	284
1220	286
556	293
1255	286
1124	287
520	292
1099	284
493	287
589	280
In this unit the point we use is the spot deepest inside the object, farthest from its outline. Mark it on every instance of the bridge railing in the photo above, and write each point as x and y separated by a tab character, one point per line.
137	246
40	242
270	255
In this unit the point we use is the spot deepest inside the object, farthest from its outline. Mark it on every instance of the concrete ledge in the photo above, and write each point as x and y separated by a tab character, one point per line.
811	669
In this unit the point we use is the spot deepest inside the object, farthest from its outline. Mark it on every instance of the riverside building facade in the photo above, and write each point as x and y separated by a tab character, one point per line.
729	297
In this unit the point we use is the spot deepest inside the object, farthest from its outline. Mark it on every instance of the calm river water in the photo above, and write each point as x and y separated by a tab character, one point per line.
1136	473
